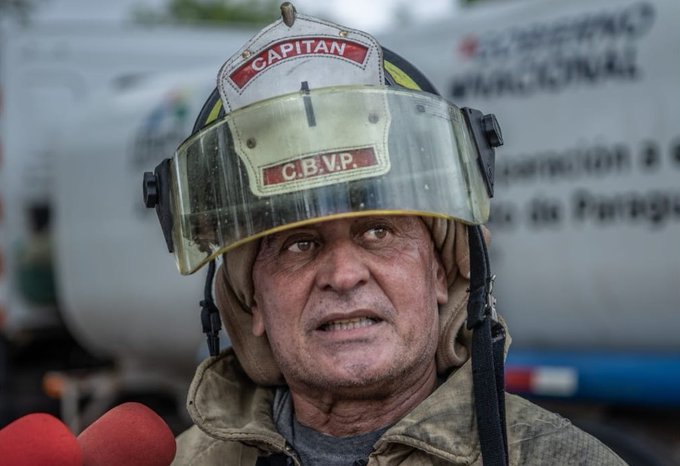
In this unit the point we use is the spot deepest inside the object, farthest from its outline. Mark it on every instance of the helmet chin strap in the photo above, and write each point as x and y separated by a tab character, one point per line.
210	316
488	353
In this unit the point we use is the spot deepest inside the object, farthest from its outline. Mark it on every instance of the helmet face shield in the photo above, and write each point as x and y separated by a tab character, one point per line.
320	154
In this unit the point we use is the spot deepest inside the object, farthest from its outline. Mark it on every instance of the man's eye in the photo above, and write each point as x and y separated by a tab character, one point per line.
303	245
377	233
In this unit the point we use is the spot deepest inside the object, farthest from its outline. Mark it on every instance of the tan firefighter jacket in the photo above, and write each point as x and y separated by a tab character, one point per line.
233	426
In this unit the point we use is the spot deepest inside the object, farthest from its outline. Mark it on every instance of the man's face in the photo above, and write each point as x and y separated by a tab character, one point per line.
351	302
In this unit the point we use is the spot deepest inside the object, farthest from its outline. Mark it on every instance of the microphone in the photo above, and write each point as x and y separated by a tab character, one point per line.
39	439
130	434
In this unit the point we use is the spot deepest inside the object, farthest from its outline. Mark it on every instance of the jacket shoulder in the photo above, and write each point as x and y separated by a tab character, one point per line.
195	447
539	437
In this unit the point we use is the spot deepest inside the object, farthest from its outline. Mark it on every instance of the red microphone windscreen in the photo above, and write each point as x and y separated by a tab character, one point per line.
38	439
129	434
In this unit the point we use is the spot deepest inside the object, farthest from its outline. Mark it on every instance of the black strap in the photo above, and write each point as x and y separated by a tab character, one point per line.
210	315
488	341
276	459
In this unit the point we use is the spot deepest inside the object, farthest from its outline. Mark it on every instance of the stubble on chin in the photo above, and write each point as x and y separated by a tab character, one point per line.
357	379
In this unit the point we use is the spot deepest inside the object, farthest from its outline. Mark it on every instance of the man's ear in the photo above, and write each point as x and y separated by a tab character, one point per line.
257	326
441	282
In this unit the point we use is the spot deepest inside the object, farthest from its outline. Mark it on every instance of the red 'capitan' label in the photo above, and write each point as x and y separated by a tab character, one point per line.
290	48
318	165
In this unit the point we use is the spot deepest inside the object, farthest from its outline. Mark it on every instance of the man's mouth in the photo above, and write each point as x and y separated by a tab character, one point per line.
348	324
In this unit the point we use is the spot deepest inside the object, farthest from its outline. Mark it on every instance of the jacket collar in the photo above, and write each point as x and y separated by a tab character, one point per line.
227	405
443	425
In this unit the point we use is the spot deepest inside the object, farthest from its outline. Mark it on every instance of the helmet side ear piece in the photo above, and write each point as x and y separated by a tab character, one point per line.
487	136
156	191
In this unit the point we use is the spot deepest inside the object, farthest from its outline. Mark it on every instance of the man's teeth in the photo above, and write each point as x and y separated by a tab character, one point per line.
348	324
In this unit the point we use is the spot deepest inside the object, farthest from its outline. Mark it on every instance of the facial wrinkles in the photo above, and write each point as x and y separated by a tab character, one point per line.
414	255
405	252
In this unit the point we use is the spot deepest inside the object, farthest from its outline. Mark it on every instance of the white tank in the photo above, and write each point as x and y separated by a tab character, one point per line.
120	290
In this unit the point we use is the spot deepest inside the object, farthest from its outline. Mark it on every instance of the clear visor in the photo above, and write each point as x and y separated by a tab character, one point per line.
317	155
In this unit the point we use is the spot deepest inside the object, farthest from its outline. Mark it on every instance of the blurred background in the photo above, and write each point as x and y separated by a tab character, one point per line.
585	218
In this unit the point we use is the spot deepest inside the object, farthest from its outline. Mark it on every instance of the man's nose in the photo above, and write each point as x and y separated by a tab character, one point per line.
342	267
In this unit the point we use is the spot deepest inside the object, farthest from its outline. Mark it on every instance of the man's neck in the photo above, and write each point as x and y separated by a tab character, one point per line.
342	415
